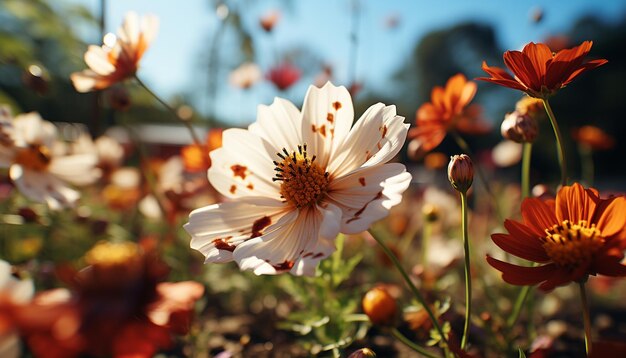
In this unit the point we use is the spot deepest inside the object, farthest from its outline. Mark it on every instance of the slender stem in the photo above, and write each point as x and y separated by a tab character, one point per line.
427	230
517	308
481	175
559	142
586	163
192	132
402	338
468	274
414	290
586	317
354	42
526	154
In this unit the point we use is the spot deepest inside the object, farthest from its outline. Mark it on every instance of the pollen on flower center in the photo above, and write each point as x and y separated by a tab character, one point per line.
34	157
109	253
304	182
572	245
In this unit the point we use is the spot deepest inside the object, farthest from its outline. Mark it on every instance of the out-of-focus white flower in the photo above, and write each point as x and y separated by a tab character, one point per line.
246	75
110	152
297	179
12	291
506	153
118	59
37	171
446	204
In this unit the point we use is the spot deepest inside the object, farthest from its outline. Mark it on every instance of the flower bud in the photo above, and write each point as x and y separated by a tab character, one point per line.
362	353
461	172
531	106
430	212
519	127
379	306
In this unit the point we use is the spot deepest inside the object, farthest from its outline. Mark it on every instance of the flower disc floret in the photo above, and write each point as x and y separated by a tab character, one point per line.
304	182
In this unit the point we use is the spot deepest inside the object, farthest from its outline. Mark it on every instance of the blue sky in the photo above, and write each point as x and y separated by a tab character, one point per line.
186	26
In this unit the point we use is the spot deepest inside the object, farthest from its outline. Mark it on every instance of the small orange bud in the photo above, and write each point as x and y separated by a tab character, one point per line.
379	306
519	128
362	353
461	172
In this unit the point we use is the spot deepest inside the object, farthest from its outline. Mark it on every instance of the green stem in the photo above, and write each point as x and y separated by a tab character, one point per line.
426	233
559	142
517	308
481	175
526	154
586	317
468	275
410	344
414	290
586	163
192	132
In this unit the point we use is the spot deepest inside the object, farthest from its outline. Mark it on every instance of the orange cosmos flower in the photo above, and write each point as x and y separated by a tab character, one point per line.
540	72
448	109
593	137
196	158
118	59
576	235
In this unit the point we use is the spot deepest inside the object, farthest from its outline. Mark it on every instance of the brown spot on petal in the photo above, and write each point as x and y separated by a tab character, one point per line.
318	255
368	155
259	225
384	131
250	186
357	215
233	189
322	130
313	128
239	171
287	265
362	181
336	105
330	117
221	244
307	254
379	145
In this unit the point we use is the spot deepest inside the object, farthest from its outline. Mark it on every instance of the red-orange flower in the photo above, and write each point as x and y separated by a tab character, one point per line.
118	60
448	109
576	235
540	72
593	138
196	158
284	75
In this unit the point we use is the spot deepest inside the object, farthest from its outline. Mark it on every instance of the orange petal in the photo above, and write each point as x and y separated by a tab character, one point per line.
523	69
538	216
573	203
522	275
613	218
539	55
559	277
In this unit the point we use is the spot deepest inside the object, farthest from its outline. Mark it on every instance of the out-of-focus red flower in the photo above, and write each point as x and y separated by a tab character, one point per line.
284	75
119	59
577	235
593	138
540	72
447	110
117	306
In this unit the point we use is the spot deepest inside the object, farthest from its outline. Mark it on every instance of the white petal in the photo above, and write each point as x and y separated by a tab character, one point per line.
229	224
283	244
367	194
149	28
98	60
327	115
279	124
31	129
84	81
243	166
43	187
325	245
375	139
79	169
130	30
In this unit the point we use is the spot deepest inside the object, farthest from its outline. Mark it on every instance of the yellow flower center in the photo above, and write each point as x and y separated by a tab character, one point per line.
304	182
572	245
36	157
109	253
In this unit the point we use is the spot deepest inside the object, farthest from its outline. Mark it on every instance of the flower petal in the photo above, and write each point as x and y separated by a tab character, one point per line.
574	203
243	166
375	138
367	194
521	242
79	169
613	218
98	60
538	216
327	116
522	275
43	187
523	69
216	230
279	124
277	250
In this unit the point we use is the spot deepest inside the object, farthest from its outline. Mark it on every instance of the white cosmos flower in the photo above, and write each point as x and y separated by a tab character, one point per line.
297	179
12	291
37	171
